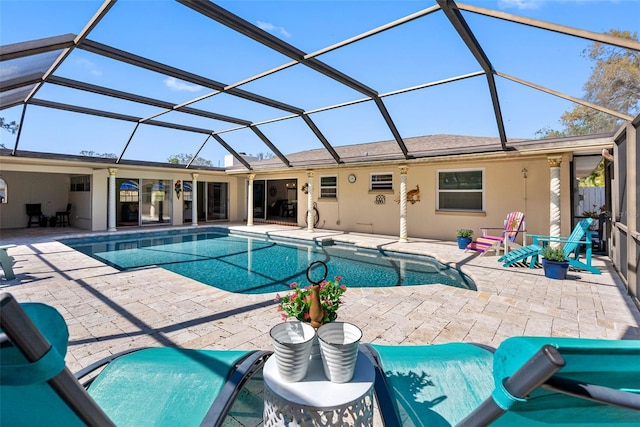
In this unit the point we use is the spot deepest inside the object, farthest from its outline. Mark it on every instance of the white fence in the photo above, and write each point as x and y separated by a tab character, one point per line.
591	198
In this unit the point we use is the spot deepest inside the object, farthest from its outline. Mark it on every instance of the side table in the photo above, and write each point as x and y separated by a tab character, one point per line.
316	401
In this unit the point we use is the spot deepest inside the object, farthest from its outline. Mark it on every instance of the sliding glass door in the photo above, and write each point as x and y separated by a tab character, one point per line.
217	201
156	201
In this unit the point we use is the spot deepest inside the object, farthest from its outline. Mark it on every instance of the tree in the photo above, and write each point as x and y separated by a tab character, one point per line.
614	83
595	178
101	155
265	156
10	127
184	159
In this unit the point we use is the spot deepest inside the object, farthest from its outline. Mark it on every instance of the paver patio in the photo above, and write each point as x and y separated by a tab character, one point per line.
108	311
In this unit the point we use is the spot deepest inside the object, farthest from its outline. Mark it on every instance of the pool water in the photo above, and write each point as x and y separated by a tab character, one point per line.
257	264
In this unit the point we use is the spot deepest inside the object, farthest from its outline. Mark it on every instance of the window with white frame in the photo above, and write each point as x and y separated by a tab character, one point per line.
81	183
328	187
381	181
461	190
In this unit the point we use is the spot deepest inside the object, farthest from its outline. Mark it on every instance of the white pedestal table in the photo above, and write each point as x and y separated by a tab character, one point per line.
316	401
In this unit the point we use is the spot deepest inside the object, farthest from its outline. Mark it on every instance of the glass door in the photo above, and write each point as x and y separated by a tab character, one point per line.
156	201
217	201
127	202
259	199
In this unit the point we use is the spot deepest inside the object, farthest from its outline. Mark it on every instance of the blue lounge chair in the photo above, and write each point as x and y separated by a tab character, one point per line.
528	381
572	246
153	386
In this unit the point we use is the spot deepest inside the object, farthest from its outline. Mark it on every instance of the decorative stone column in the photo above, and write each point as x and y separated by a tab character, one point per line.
194	199
403	203
554	199
250	200
111	202
310	216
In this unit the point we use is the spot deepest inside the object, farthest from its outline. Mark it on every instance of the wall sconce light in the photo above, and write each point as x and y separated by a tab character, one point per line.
524	172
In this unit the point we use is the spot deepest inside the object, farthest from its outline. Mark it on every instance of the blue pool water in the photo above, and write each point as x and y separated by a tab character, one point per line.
257	264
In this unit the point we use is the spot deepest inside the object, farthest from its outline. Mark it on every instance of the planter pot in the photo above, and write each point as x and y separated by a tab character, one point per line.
463	242
292	343
339	342
555	269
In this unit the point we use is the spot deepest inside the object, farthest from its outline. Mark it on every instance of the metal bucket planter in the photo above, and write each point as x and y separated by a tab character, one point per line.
339	342
292	343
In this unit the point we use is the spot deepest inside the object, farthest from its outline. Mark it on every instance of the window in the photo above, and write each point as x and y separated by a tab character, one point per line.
3	191
381	181
81	183
328	187
461	190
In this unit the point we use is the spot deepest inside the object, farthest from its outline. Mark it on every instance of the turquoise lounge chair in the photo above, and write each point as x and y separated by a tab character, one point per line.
528	381
572	246
153	386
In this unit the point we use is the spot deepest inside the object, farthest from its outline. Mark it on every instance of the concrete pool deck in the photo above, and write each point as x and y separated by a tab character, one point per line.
109	311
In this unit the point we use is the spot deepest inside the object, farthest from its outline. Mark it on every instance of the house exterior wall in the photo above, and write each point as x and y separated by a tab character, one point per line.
356	208
506	190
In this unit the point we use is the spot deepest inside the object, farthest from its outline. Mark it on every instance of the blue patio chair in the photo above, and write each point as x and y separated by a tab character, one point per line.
152	386
579	240
528	381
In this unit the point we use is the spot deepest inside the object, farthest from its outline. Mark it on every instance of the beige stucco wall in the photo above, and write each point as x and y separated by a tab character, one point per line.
506	190
354	210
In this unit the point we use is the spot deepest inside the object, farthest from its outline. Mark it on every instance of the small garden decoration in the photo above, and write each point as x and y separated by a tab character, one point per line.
298	303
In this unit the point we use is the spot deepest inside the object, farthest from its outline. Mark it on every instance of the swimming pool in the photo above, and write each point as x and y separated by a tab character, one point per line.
249	264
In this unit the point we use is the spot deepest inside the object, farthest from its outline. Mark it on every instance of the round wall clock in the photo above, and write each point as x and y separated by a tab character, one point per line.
352	178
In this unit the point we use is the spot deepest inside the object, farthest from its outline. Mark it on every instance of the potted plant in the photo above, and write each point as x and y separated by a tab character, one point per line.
298	303
464	237
554	262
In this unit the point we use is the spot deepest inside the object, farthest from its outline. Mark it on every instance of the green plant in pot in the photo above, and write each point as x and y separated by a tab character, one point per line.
464	237
554	262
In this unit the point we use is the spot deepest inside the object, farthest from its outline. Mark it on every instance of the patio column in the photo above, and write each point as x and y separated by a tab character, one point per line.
403	203
111	203
250	200
194	199
554	200
310	216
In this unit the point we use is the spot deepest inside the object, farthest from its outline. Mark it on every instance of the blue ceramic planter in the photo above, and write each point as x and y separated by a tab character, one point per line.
555	269
463	242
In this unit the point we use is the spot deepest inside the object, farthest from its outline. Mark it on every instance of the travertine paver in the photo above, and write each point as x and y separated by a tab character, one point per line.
108	311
